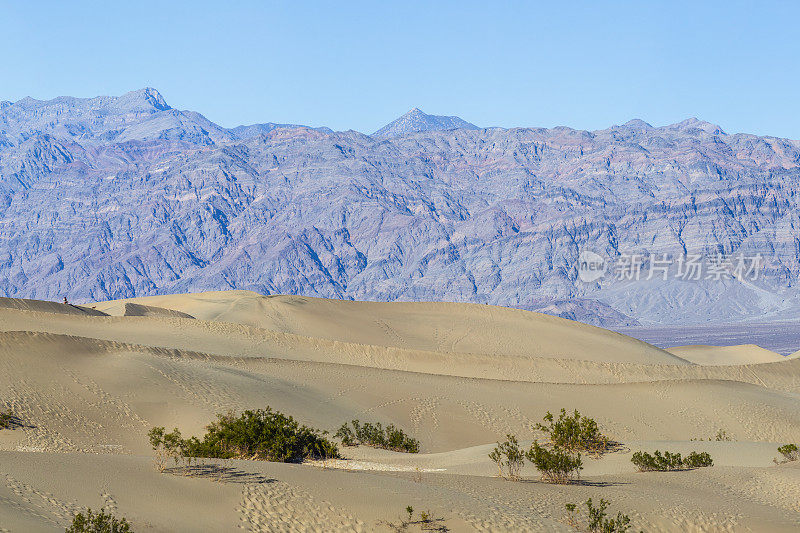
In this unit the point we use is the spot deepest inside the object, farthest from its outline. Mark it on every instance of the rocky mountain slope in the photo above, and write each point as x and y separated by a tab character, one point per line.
108	198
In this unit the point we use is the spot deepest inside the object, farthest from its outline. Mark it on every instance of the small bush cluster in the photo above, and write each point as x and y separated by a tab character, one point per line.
556	465
388	438
574	433
264	435
721	436
426	522
597	519
98	523
789	452
559	461
658	462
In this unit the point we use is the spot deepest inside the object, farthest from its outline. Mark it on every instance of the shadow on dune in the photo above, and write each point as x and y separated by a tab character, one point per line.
224	474
14	422
580	482
587	483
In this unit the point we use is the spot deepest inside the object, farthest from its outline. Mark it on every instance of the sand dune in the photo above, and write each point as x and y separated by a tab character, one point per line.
457	377
743	354
432	327
107	392
610	355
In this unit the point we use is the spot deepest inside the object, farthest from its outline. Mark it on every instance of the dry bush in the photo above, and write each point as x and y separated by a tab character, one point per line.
556	465
509	458
575	433
264	435
5	420
597	519
369	434
426	522
658	462
789	452
98	523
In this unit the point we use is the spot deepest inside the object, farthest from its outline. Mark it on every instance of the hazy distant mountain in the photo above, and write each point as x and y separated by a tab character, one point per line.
695	124
245	132
141	115
114	197
416	121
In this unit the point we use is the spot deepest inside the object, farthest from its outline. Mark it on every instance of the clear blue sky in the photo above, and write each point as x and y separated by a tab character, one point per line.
360	64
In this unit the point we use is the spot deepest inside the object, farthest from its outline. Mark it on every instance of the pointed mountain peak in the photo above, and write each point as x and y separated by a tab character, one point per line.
29	101
638	124
417	120
694	123
147	97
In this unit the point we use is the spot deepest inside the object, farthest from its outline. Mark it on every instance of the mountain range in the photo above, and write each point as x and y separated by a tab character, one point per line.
114	197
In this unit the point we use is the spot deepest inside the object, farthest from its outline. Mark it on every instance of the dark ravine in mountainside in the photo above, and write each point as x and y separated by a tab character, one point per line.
116	197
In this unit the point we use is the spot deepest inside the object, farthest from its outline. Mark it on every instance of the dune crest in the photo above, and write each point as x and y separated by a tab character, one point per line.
426	326
49	307
742	354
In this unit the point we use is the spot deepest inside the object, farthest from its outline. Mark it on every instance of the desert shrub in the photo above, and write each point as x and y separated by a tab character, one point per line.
98	523
789	452
388	438
658	462
572	515
5	420
722	436
556	465
671	461
574	433
508	457
263	434
347	435
698	460
166	445
597	519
